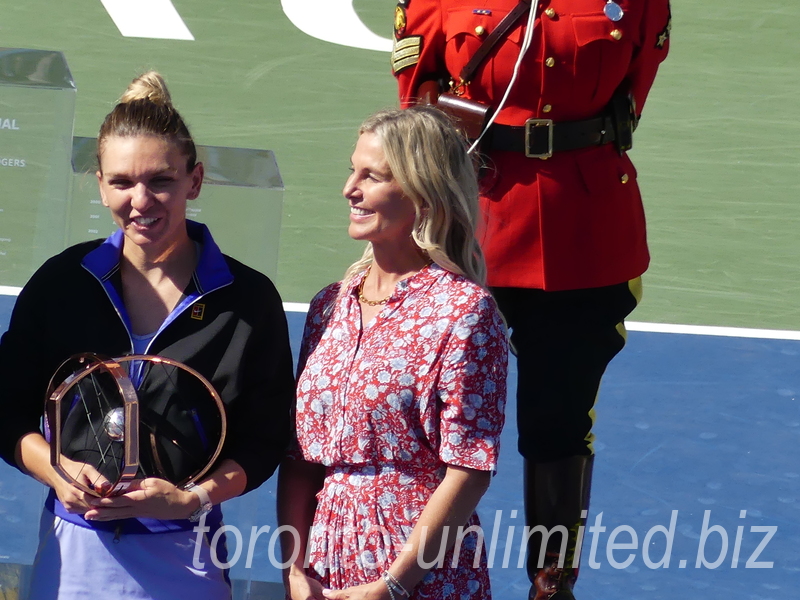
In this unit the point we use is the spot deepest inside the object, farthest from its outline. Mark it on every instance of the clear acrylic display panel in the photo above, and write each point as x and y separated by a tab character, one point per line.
241	202
37	111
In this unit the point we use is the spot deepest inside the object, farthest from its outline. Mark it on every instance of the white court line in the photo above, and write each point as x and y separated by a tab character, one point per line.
295	307
334	21
156	19
741	332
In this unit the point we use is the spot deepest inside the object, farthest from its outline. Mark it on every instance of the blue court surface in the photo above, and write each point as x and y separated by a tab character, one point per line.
696	462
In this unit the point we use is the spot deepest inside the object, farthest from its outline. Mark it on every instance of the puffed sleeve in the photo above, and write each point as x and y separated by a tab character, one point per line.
472	388
652	49
319	313
419	42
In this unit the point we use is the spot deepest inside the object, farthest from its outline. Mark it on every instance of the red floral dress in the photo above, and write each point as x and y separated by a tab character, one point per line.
386	409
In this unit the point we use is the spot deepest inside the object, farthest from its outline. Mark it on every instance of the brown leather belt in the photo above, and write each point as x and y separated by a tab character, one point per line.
540	138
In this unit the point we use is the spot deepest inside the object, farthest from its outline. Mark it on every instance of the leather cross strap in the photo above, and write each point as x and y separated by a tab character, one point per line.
502	28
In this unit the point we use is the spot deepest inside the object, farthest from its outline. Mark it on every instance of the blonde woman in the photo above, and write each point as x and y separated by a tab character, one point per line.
402	383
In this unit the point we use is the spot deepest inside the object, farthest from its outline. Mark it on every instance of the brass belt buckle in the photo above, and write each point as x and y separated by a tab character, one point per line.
530	124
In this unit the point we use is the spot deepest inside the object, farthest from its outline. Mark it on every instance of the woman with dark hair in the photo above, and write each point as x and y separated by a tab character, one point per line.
402	383
158	285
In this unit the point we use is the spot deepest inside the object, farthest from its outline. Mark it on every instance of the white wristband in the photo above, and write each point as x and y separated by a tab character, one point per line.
205	502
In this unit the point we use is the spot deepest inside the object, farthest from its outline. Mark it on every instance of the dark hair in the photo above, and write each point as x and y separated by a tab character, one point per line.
145	109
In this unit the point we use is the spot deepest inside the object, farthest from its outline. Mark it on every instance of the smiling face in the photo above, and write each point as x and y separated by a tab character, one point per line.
144	182
380	212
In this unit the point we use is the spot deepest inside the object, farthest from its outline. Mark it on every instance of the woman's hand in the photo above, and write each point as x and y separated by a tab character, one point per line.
33	457
146	498
75	500
298	484
300	586
376	590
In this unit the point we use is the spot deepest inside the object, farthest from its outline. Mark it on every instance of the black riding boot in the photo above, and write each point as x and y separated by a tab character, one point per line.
555	495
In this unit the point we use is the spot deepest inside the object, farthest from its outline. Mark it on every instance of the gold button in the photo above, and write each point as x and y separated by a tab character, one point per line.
624	178
547	108
550	61
550	12
616	34
480	30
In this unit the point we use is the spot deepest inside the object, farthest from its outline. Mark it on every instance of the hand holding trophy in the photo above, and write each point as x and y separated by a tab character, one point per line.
111	421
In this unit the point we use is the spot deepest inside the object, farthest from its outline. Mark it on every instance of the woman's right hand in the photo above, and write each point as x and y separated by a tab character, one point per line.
33	457
300	586
298	484
75	500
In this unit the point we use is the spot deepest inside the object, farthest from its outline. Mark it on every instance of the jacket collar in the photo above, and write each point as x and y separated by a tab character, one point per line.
212	270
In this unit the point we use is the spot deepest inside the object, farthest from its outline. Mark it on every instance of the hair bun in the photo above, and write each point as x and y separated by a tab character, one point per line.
148	86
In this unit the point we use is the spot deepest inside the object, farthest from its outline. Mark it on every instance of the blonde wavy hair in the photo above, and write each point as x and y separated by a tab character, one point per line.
428	158
145	109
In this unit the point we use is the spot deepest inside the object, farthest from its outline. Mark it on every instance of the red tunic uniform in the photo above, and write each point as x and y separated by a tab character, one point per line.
576	220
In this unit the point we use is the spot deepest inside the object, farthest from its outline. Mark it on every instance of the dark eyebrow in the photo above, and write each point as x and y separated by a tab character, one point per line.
165	171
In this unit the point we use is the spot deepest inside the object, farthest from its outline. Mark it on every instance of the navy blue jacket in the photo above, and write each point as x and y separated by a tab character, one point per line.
230	327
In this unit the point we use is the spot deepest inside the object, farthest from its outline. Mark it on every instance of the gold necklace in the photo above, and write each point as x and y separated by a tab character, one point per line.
364	300
361	297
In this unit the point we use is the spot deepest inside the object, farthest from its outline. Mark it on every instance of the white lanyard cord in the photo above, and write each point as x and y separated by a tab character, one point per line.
526	42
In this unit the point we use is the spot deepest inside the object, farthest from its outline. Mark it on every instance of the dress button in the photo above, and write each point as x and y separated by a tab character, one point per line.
550	61
624	178
480	30
550	12
616	34
547	108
